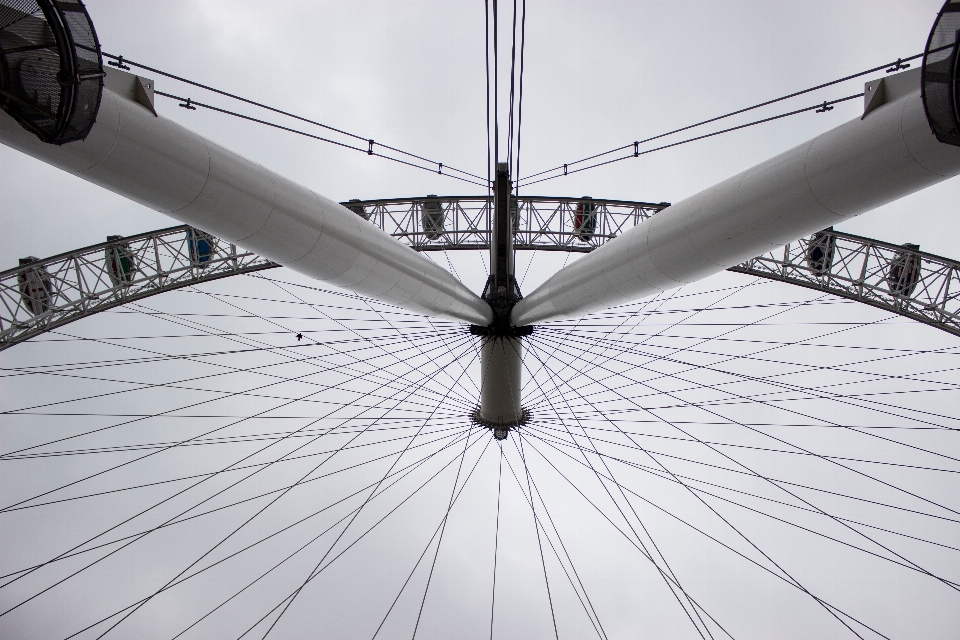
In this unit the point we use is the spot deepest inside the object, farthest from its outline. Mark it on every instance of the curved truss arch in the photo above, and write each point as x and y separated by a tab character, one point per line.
40	295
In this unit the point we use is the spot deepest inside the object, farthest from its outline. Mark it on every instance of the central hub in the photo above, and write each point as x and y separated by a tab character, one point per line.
501	353
501	291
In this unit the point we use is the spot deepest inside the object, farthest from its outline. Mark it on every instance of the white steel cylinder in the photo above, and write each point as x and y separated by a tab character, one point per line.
856	167
171	169
500	376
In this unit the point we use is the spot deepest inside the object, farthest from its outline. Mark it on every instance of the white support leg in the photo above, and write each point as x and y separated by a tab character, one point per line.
500	371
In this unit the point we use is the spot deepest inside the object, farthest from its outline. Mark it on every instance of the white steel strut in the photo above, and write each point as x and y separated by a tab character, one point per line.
143	156
888	153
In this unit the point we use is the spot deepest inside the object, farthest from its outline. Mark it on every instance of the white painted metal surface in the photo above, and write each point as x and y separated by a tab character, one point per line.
888	153
500	375
171	169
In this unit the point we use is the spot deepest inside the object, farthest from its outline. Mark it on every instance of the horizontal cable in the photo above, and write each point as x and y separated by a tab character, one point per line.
405	470
889	67
671	478
368	151
457	426
637	154
121	61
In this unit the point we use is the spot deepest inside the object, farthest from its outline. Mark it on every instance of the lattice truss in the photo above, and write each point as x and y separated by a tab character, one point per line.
901	279
42	294
542	223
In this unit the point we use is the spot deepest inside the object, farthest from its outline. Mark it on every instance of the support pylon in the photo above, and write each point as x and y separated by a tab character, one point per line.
501	355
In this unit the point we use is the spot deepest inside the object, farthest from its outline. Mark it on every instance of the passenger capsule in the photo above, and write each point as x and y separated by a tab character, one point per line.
36	286
585	219
202	247
51	75
358	209
433	217
120	261
904	272
820	250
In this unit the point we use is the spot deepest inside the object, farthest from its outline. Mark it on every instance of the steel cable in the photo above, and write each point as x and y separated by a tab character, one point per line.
369	151
636	153
889	67
120	61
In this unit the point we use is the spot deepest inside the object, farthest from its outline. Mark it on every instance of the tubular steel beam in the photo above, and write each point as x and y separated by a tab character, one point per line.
49	293
152	160
882	156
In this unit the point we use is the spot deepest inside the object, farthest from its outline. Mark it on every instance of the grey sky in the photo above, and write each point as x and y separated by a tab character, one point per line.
410	74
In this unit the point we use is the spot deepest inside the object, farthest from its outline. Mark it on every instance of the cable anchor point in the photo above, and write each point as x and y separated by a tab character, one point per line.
900	65
564	169
188	105
826	107
119	64
370	147
440	168
636	149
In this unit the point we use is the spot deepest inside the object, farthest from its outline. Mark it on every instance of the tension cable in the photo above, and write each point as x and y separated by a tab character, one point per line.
123	63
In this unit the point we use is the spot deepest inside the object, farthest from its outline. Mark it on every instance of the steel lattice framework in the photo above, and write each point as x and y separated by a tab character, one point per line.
541	223
895	278
40	295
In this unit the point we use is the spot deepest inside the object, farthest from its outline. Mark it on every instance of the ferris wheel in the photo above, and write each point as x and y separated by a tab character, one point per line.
495	415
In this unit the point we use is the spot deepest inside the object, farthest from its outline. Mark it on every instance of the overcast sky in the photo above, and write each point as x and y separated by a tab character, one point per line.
411	74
